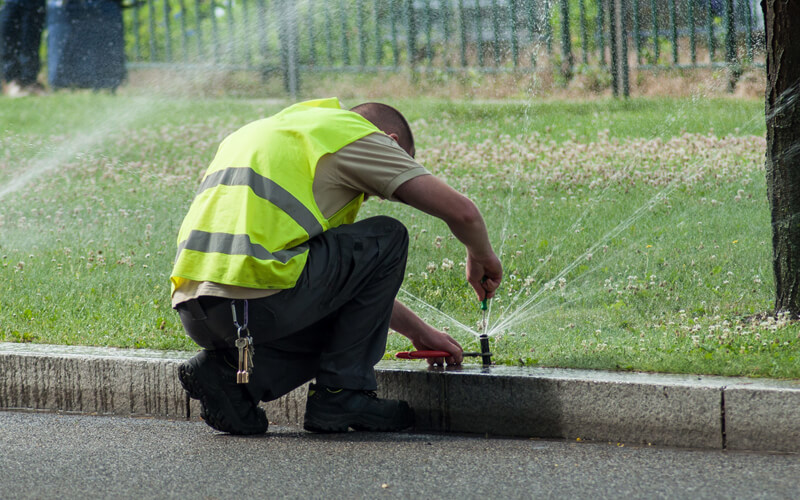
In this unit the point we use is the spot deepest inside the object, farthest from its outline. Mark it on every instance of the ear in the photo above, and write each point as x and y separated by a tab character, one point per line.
395	137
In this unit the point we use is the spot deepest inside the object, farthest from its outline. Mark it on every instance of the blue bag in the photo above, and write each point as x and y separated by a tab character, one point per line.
85	44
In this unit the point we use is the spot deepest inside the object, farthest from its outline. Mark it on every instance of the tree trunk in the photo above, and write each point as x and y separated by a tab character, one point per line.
782	21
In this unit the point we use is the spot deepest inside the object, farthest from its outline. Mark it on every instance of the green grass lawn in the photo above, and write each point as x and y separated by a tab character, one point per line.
635	234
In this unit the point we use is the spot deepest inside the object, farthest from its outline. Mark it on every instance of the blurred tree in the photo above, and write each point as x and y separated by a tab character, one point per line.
782	20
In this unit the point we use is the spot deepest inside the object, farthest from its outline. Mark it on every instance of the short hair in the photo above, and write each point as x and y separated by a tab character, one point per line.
389	121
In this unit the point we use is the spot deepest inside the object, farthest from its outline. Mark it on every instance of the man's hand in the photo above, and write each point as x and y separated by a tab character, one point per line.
425	337
435	340
484	274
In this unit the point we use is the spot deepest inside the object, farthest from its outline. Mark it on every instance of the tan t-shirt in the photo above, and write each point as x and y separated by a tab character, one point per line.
375	165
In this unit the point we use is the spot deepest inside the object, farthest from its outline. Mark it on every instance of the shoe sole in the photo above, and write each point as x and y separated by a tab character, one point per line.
216	420
359	422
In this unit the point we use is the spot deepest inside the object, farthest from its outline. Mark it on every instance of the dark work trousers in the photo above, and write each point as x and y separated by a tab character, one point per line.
331	326
21	24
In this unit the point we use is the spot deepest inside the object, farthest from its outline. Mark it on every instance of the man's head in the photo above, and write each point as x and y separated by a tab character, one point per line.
390	121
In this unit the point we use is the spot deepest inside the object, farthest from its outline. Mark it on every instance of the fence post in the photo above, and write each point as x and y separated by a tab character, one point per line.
462	26
710	27
151	26
230	41
328	34
343	16
263	44
214	33
673	19
601	31
623	41
444	16
283	41
312	35
294	47
395	44
496	32
534	37
478	33
512	14
749	43
412	37
198	27
288	42
184	33
548	28
378	39
245	37
637	32
566	42
734	70
654	16
620	81
362	35
692	35
137	42
428	32
584	40
612	41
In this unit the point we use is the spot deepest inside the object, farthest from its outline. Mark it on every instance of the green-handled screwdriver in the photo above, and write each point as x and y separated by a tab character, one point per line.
484	308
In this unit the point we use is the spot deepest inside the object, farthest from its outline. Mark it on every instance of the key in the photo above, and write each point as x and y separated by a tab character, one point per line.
250	355
243	375
247	367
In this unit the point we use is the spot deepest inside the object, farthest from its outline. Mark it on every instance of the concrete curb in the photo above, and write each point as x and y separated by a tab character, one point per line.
635	408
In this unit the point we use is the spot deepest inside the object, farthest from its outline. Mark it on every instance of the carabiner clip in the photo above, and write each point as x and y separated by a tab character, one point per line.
243	327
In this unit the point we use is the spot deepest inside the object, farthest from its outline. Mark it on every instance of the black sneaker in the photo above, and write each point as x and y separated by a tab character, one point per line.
226	406
336	410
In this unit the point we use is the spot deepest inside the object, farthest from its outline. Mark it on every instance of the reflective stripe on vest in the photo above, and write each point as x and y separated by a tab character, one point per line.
267	189
236	244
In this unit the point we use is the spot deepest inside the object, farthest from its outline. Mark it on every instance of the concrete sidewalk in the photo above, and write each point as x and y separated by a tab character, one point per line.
665	410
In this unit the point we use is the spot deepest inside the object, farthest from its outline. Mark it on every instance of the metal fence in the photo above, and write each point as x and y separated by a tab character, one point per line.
295	38
300	37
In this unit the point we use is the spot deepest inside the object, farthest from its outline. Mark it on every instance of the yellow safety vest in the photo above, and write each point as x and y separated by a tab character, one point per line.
255	210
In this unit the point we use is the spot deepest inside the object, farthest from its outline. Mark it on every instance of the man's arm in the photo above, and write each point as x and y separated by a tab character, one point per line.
484	270
433	196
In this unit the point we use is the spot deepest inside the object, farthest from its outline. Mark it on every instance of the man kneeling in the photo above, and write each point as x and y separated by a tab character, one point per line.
279	284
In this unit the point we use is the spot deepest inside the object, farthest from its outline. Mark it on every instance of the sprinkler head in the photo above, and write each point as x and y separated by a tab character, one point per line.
486	355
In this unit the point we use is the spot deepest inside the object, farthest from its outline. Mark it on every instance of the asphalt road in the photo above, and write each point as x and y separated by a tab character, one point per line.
44	455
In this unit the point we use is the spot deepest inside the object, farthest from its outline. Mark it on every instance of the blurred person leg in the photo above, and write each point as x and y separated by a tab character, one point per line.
21	25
